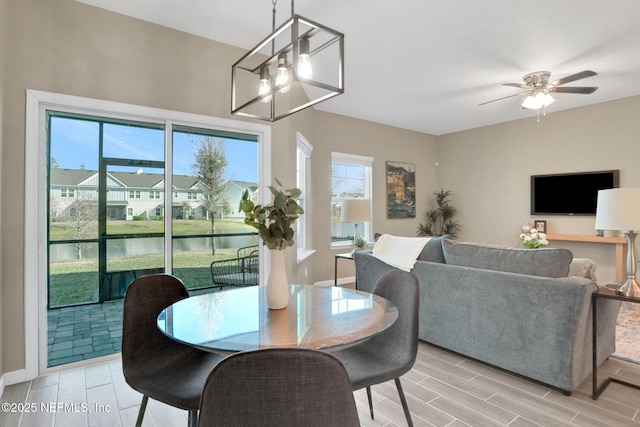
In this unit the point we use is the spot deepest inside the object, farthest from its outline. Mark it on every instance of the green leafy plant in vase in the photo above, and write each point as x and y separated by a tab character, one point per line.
274	224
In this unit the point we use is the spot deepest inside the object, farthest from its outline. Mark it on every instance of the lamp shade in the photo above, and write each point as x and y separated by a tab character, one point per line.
618	209
356	210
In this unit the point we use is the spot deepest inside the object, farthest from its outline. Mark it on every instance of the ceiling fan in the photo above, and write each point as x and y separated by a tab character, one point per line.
539	89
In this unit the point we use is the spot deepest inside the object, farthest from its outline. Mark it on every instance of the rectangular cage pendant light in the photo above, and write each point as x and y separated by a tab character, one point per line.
298	65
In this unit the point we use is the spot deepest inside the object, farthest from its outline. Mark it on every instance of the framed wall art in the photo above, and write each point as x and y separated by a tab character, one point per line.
401	190
540	225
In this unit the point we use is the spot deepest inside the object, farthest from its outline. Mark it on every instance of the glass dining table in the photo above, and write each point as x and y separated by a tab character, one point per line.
238	319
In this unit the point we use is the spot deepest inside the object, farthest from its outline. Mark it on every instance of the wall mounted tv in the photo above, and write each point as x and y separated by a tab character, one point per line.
570	193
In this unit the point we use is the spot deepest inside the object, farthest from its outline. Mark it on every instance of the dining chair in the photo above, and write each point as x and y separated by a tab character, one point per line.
392	353
154	364
278	387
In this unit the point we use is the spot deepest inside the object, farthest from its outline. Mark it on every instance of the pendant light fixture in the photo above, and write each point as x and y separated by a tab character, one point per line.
300	64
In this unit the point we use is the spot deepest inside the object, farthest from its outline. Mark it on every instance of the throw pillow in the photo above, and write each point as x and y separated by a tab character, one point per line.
534	262
583	267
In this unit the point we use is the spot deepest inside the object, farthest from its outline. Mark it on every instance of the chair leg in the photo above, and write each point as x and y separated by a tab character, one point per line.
193	418
405	407
143	407
370	401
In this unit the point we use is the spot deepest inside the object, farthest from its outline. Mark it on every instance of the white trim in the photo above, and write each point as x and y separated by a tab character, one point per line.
303	254
35	212
351	159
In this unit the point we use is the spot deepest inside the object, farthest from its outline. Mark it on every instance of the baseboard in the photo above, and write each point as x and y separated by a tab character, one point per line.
341	281
13	377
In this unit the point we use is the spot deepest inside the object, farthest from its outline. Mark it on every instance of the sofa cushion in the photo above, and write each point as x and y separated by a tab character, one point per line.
432	251
533	262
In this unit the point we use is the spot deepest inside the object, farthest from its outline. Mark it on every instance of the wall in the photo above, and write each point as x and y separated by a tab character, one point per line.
488	170
67	47
71	48
3	40
383	143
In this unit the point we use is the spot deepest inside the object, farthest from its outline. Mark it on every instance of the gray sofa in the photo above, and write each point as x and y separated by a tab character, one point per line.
511	308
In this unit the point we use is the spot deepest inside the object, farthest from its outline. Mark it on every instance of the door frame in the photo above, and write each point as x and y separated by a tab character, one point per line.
35	235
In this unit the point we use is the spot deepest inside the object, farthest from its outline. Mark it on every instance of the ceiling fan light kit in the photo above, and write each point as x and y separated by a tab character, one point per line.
539	89
266	86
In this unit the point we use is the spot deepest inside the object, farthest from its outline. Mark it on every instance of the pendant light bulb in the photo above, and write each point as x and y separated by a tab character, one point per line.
265	85
282	78
304	61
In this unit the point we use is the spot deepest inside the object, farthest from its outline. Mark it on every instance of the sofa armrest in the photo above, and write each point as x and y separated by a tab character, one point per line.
535	326
368	270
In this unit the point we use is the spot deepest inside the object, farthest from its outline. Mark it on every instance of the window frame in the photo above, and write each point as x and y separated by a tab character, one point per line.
35	252
304	149
367	163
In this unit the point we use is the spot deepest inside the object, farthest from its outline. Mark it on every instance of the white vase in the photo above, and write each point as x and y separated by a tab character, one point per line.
277	285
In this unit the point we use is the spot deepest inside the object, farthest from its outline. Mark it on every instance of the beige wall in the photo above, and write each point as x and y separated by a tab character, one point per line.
383	143
3	38
488	169
66	47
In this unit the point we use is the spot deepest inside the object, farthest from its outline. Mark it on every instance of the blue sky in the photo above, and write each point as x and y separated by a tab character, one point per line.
74	143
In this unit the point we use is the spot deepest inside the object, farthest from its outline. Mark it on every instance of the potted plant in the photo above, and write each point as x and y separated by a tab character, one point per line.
274	224
440	220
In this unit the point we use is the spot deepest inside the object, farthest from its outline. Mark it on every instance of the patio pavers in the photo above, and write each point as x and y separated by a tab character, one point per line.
86	331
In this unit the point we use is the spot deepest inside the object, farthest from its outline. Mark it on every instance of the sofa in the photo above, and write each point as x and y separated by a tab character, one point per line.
512	308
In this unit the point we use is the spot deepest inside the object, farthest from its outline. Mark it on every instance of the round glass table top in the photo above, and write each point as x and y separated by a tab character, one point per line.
239	320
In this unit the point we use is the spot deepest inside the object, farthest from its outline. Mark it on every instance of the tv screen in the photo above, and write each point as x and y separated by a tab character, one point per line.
570	193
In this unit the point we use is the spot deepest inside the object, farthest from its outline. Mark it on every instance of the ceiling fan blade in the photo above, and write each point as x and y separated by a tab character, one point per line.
520	85
573	77
500	99
576	89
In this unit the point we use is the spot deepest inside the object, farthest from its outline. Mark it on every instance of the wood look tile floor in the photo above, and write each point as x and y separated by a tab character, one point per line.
443	389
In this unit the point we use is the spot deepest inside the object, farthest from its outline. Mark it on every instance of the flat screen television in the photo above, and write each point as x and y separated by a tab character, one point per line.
570	193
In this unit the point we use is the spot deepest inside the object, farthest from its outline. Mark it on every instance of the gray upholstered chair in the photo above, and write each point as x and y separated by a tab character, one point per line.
391	353
153	364
278	387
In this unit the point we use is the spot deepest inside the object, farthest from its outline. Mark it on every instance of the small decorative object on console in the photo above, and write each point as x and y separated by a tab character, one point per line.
534	239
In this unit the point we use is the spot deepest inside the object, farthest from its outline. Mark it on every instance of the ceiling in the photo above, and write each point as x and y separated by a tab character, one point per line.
425	65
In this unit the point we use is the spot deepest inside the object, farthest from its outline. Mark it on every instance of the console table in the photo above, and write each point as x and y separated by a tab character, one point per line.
619	242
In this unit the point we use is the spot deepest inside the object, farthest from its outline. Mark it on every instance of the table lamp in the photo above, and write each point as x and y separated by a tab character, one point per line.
619	209
355	211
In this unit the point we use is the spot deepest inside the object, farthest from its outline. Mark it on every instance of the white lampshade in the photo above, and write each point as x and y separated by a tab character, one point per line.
618	209
356	210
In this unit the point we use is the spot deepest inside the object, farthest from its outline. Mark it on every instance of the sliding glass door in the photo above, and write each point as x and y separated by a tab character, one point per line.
120	207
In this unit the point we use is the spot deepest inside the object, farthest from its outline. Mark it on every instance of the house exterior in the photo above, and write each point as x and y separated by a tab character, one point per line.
132	194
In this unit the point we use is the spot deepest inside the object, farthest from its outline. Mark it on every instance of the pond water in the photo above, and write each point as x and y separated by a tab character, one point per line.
144	246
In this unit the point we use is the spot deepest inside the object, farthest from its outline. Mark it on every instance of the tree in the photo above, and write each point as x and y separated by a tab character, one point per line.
210	165
84	219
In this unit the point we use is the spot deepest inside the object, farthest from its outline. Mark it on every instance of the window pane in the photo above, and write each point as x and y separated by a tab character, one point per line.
348	181
211	170
125	141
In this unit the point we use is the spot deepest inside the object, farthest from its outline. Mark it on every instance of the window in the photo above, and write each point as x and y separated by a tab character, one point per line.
154	194
43	140
192	195
158	211
350	179
67	192
304	150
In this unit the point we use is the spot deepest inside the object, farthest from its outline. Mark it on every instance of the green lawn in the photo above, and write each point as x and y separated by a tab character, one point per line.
76	281
63	230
